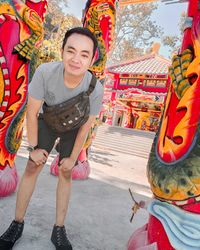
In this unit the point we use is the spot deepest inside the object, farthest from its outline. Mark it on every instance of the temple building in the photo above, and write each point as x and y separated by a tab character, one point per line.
135	92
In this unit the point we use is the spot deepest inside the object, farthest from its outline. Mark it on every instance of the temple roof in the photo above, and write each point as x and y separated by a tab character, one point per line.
148	64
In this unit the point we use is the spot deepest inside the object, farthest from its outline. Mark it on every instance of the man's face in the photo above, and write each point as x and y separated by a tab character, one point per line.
77	54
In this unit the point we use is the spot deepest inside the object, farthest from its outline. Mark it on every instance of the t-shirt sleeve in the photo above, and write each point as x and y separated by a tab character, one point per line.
36	86
96	99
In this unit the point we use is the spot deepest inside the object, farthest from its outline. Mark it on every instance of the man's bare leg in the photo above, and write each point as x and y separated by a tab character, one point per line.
26	188
62	196
59	236
25	191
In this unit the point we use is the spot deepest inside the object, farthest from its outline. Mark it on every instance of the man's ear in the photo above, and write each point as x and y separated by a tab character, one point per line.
61	52
92	62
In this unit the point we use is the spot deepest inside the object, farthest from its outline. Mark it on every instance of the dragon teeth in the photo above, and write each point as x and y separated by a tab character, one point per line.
197	198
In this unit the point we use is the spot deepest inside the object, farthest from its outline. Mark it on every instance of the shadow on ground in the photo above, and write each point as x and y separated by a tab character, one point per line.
101	157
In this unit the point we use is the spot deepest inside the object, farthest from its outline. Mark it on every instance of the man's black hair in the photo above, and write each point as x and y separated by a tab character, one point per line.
82	31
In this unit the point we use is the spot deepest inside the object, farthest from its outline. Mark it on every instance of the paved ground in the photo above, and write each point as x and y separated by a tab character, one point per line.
100	207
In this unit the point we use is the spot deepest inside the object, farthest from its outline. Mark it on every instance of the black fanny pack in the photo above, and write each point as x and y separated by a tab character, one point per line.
71	114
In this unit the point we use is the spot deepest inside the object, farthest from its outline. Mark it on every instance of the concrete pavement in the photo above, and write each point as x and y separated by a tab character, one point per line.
100	207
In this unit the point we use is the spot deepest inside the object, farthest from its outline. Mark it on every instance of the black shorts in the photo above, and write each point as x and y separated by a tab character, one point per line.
47	138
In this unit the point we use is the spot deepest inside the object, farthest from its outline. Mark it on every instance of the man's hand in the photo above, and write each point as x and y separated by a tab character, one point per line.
66	164
39	156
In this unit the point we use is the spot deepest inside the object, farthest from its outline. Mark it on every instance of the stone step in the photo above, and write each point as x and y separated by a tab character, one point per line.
125	131
139	153
124	143
128	141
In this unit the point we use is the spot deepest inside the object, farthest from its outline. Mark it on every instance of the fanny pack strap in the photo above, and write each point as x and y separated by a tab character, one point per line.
92	84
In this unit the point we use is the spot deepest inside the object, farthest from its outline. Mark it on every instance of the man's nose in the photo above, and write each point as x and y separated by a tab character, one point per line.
76	57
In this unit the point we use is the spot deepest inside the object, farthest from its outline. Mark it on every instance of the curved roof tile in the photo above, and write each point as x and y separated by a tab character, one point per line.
149	64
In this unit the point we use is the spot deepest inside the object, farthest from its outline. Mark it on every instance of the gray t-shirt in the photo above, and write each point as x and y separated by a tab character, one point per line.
48	85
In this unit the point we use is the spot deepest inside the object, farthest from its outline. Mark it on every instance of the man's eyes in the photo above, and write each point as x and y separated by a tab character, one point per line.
83	55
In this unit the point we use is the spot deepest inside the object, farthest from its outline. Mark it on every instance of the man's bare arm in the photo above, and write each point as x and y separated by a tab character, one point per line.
33	108
81	137
39	156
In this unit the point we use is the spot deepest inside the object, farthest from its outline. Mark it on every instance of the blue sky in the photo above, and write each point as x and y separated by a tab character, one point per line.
167	16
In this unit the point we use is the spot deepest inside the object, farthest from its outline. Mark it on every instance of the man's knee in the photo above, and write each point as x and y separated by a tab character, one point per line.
65	173
32	168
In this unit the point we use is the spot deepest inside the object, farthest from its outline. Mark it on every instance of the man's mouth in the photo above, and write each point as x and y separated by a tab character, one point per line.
74	67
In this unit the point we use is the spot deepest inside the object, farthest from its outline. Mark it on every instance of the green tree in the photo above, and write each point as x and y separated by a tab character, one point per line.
56	24
128	51
174	42
53	16
135	31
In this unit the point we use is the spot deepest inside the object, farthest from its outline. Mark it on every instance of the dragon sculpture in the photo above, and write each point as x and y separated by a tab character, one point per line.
21	28
99	17
174	162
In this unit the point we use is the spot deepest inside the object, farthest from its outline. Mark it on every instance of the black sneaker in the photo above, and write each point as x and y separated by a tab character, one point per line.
59	238
11	235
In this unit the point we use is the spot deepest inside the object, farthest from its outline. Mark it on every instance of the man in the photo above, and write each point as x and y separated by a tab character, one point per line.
54	83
